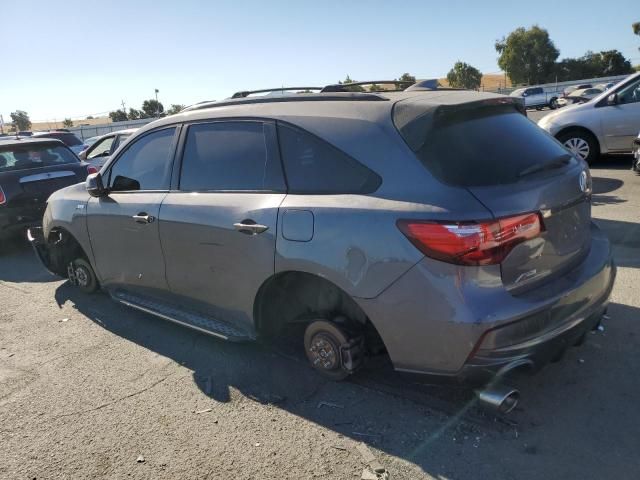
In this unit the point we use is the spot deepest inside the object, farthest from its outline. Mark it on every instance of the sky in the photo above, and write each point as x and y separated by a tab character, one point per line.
78	58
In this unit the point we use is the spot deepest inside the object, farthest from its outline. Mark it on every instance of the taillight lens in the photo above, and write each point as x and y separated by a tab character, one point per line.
471	243
91	169
3	199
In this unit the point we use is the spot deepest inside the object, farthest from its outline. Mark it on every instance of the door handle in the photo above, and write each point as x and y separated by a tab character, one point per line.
142	217
249	227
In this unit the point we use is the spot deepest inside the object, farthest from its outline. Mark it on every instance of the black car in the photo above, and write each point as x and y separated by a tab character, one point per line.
31	169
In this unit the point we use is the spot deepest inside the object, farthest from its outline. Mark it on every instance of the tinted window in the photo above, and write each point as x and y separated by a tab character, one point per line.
145	165
630	94
69	139
313	166
18	157
485	147
229	156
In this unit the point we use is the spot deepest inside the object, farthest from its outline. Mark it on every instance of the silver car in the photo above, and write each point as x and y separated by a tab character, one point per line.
411	222
606	124
99	151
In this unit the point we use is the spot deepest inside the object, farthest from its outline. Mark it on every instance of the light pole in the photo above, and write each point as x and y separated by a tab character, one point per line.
157	104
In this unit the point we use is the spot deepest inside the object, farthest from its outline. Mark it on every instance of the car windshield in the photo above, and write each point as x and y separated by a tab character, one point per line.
19	157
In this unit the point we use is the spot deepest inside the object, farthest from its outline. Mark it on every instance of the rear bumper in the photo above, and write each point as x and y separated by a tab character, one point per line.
461	323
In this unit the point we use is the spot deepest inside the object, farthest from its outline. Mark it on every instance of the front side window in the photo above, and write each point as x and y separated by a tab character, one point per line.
229	156
146	164
630	94
314	166
101	148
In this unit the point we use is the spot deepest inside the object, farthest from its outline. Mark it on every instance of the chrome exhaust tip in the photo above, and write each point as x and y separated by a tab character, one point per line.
499	397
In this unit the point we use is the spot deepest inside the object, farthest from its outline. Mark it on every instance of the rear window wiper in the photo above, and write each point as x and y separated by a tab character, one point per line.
558	162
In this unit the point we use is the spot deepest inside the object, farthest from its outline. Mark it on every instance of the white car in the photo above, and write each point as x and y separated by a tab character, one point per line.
102	148
579	96
606	124
536	97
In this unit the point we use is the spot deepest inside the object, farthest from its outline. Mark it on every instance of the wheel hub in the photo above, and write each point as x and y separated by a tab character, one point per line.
324	353
82	278
578	146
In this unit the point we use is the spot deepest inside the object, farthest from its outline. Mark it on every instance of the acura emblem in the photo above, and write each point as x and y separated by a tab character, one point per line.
582	180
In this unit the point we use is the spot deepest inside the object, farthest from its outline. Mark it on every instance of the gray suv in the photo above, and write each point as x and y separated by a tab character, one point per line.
407	222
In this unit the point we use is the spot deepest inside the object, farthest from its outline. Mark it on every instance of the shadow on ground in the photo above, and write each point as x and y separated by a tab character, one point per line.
19	262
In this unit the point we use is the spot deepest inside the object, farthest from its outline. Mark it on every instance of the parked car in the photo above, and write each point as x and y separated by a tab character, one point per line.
98	153
30	170
573	88
68	138
537	97
579	96
469	255
636	154
606	124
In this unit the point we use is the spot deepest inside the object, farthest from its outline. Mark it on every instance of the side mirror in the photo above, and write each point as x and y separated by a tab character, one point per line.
612	99
524	94
94	185
83	154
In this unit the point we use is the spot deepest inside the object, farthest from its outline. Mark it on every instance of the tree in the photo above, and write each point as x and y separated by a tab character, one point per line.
636	29
463	75
135	114
67	123
118	116
528	56
591	65
152	108
355	88
90	117
405	77
175	108
21	120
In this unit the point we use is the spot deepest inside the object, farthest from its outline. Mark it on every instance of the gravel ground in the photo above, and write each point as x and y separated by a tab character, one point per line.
91	389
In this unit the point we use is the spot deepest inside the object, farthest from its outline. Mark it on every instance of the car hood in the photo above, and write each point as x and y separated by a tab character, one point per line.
565	112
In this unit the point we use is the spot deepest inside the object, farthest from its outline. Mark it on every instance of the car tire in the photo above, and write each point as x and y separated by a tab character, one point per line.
582	144
553	103
322	341
86	278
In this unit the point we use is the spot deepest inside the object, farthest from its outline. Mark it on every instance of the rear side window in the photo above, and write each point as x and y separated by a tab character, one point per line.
487	146
230	156
313	166
19	157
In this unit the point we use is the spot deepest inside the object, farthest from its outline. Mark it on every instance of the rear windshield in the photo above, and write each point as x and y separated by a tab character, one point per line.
69	139
19	157
486	147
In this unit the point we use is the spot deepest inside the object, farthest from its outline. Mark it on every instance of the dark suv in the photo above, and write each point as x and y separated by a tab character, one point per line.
442	227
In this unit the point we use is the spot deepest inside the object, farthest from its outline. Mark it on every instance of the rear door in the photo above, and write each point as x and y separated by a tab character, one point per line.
621	122
218	228
123	226
513	168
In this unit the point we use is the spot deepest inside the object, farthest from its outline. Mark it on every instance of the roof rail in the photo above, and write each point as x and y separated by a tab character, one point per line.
309	97
345	87
246	93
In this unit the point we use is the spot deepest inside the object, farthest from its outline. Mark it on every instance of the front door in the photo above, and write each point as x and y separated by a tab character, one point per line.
123	226
621	122
218	229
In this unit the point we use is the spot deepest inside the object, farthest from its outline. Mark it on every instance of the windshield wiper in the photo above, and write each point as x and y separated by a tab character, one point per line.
557	162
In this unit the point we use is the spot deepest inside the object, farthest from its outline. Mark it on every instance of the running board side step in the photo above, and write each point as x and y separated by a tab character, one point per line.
197	321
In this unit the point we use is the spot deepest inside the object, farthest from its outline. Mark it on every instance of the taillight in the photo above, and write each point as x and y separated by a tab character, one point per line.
471	243
91	169
3	198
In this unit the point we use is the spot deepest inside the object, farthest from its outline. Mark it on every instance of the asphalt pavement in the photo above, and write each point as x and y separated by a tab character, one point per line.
91	389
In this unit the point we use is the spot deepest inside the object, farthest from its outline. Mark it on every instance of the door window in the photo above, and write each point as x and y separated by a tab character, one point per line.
230	156
630	94
146	164
100	149
314	166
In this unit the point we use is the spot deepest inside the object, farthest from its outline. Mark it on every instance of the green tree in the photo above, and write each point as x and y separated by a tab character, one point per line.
135	114
463	75
118	116
67	123
90	117
355	88
528	56
636	29
175	108
590	65
20	119
405	77
152	108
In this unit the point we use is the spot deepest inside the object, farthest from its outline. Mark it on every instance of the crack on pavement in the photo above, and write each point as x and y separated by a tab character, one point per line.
113	402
